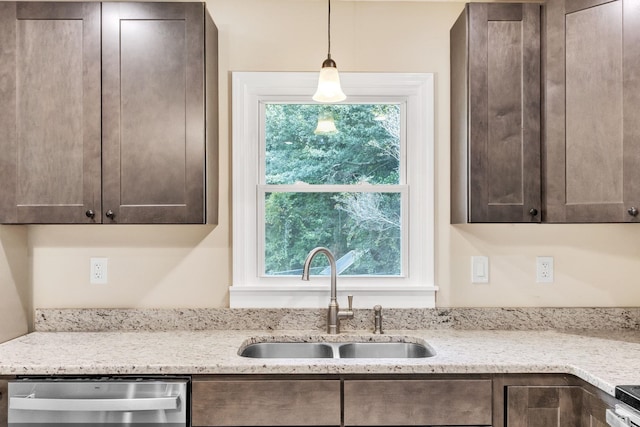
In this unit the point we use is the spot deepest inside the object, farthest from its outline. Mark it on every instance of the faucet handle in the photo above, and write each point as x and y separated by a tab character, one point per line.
346	314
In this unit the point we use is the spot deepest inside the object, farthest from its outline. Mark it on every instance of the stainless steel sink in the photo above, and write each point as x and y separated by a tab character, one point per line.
379	350
328	350
288	350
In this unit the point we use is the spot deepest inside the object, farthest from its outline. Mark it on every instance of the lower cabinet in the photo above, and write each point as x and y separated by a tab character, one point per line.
549	401
417	402
4	401
265	402
543	406
594	410
496	400
229	401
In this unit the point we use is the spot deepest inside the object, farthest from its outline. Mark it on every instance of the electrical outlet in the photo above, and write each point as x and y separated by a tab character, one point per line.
98	275
544	269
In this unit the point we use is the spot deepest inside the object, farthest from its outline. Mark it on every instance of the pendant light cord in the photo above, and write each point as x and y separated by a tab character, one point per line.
329	31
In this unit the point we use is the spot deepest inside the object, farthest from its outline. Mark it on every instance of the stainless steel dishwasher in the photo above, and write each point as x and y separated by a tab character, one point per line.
89	402
627	413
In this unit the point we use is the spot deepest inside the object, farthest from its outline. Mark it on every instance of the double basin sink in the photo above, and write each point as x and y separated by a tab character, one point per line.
337	350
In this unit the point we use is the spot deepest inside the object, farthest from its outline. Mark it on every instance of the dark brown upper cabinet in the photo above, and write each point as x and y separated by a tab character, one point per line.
109	113
49	112
495	114
153	112
592	111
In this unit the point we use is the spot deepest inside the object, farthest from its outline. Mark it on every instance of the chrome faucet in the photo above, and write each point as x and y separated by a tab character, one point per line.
334	314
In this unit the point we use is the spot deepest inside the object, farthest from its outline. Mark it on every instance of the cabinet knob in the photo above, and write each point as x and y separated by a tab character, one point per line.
110	214
90	213
633	211
533	212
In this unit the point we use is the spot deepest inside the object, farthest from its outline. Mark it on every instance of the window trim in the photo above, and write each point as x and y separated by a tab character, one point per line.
249	289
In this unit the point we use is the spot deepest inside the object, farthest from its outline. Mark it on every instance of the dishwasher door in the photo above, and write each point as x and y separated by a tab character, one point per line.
90	402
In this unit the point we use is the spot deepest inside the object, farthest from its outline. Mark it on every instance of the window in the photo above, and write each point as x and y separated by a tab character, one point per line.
363	187
339	187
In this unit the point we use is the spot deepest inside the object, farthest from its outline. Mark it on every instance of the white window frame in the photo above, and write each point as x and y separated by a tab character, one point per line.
416	288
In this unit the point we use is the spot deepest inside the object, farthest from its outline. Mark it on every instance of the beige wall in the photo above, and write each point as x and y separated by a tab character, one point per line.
189	266
149	266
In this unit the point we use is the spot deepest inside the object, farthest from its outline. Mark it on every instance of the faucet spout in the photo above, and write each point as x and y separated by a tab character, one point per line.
334	314
332	264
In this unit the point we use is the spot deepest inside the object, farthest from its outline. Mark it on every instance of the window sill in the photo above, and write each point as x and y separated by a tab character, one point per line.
317	296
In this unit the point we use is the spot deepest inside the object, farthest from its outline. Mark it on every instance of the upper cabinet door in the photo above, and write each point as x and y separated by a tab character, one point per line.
495	114
153	112
49	112
593	111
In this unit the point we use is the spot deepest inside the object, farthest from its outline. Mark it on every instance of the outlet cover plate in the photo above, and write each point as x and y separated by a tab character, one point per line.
98	274
544	269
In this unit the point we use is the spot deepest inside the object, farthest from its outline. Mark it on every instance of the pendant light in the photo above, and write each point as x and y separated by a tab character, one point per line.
326	124
329	89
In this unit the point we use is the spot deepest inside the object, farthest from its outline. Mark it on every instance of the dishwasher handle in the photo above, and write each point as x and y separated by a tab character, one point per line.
94	405
615	421
623	416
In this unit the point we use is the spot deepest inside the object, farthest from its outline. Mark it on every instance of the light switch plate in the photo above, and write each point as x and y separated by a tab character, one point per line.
479	269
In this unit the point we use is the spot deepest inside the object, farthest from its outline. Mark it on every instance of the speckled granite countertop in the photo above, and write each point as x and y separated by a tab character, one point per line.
600	361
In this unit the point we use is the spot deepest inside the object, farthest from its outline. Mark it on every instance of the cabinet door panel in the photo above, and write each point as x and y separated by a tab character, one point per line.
153	112
631	104
152	135
529	406
416	402
4	401
49	124
496	114
593	130
593	133
505	112
266	403
50	96
593	411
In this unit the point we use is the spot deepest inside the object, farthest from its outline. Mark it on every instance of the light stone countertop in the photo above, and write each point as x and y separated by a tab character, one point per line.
603	362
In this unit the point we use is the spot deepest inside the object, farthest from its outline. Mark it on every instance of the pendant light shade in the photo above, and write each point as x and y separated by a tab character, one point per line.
326	124
329	89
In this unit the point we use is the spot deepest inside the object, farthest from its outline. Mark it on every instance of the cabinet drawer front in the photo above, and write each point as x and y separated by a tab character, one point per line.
416	402
266	403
